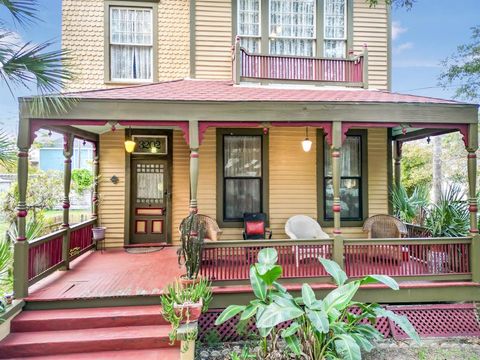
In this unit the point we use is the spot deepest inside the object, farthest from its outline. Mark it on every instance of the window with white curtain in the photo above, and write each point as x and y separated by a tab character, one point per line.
131	44
350	182
292	27
249	27
335	28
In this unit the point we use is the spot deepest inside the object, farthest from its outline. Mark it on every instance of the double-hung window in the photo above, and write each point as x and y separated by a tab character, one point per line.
335	28
293	27
131	44
241	177
353	181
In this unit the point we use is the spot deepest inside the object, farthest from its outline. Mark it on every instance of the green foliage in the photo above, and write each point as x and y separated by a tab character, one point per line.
31	65
416	166
463	68
450	216
184	294
411	208
399	3
45	191
245	354
82	180
192	238
6	264
8	153
320	328
35	228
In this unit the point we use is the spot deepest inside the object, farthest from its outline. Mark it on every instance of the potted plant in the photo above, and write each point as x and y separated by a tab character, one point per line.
192	237
183	304
98	231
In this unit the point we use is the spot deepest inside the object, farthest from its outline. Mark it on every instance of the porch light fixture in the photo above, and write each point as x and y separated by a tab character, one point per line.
130	144
307	143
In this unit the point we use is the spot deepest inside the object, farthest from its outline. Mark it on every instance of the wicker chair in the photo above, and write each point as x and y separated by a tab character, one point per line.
385	227
212	230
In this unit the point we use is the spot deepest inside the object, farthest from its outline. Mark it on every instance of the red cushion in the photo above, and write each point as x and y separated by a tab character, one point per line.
255	228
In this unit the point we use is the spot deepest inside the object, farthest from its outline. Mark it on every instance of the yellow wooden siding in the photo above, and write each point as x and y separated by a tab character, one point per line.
370	26
112	196
213	39
181	182
377	172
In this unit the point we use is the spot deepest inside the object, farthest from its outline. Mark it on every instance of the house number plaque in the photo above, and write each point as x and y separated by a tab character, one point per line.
155	145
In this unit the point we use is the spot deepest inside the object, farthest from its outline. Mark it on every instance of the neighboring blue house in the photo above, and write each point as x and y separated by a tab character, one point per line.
52	159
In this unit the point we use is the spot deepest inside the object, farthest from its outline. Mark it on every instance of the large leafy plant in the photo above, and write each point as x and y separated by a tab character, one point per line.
318	328
410	208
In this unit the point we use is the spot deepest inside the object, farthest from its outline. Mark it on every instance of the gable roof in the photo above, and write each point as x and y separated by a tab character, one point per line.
224	91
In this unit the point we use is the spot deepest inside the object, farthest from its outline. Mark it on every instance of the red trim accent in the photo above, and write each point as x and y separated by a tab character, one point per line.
336	154
204	125
194	155
474	231
473	208
337	208
193	210
66	205
65	225
337	232
68	161
22	213
161	226
162	210
326	126
21	238
472	156
22	154
462	128
138	221
37	124
183	125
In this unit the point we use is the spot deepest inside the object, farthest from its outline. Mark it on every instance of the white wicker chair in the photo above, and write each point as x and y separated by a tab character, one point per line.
304	227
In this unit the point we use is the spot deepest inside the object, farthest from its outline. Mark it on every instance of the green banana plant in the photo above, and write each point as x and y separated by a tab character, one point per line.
319	329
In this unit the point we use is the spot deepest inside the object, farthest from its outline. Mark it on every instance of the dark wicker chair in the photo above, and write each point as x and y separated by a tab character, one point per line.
255	226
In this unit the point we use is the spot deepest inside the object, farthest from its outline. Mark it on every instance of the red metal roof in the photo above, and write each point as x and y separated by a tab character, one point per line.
225	91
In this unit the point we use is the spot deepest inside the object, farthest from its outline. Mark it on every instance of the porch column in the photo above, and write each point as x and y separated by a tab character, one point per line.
20	254
397	157
96	167
194	164
67	178
336	174
472	146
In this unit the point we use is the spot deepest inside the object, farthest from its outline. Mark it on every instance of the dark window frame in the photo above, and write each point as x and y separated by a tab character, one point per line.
363	185
221	179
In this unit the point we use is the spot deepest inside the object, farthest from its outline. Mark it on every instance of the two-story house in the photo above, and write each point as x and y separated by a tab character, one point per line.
228	107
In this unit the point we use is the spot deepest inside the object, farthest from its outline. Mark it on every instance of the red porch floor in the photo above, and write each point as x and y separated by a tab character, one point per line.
113	273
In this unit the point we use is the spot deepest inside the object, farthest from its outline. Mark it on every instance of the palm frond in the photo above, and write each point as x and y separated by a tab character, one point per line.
6	259
22	11
7	151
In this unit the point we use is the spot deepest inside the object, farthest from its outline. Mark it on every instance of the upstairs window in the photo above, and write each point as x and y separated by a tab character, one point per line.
335	28
131	44
293	27
249	24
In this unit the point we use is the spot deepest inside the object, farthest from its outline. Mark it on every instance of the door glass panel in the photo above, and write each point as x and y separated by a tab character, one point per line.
150	183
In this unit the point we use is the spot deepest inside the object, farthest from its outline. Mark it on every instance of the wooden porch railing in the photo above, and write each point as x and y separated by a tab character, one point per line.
47	253
410	259
347	72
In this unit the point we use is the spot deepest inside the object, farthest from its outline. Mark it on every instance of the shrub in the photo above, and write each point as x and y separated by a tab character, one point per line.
319	328
82	180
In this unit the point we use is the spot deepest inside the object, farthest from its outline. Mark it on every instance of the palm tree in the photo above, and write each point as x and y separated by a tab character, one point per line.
7	151
32	65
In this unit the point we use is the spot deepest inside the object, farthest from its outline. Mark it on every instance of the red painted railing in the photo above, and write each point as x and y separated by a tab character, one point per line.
408	257
432	258
231	260
301	68
81	238
44	254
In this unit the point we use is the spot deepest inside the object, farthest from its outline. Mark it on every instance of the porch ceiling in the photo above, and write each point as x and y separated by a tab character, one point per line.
209	100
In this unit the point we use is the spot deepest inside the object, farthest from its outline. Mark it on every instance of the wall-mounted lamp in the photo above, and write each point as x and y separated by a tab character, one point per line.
129	143
307	143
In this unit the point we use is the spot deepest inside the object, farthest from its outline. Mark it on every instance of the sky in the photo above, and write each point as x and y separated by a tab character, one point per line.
422	37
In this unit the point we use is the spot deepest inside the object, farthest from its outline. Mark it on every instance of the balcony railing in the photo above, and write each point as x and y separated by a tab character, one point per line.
350	72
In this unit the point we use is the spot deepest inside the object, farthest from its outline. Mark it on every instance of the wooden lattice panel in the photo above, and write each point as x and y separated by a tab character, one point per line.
439	320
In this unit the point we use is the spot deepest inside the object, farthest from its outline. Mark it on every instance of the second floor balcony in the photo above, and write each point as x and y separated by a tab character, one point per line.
349	72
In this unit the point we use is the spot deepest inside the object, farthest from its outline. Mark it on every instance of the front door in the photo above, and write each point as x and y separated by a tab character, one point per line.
150	191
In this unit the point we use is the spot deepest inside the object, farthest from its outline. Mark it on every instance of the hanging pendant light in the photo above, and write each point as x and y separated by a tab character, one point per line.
130	144
307	143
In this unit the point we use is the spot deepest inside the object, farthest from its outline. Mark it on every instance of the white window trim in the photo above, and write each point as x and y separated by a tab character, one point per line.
259	36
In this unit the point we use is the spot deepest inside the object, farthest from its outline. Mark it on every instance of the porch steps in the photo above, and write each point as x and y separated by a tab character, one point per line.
94	333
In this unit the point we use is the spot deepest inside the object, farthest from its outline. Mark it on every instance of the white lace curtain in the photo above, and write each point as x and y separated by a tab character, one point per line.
292	27
335	29
249	24
131	43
